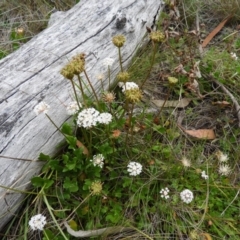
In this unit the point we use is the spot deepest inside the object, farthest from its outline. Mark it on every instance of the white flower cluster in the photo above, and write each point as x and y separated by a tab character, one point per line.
134	168
42	107
105	118
186	196
164	193
98	160
73	108
108	62
90	117
37	222
204	175
127	86
234	56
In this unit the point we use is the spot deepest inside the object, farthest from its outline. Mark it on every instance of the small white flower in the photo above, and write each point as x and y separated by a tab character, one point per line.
108	62
98	160
127	86
37	222
104	118
164	193
42	107
186	162
73	108
204	175
222	157
100	77
186	196
234	56
87	118
134	168
224	169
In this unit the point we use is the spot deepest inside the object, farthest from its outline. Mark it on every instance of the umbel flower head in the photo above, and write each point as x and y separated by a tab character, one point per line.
96	187
87	118
108	62
186	196
123	76
104	118
127	86
42	107
73	108
157	36
164	193
118	40
134	95
98	160
134	168
37	222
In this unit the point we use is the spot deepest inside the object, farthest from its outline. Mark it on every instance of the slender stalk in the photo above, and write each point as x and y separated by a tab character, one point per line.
81	89
109	79
75	93
168	94
120	58
94	92
130	124
151	66
53	217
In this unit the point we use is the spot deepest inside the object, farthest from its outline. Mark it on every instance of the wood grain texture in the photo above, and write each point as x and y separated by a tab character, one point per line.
31	74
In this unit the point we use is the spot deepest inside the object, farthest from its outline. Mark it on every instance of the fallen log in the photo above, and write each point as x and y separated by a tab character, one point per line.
32	74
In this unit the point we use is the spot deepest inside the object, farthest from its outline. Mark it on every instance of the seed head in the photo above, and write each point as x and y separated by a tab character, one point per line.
118	40
68	71
108	97
157	36
123	77
96	187
172	80
78	63
134	95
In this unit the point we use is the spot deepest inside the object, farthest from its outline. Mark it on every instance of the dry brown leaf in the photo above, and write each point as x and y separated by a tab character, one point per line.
215	31
173	103
222	104
200	133
80	145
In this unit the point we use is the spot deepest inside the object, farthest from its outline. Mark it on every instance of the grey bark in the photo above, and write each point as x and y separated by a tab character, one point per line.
32	74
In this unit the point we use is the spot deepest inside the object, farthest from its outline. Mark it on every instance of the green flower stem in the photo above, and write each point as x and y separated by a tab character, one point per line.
151	66
81	89
75	93
53	217
94	92
130	125
168	94
120	58
109	77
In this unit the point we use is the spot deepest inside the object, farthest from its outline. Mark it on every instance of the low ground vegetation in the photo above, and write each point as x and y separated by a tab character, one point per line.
156	155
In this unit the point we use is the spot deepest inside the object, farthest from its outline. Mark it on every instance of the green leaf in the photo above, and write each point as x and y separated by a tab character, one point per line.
41	182
44	157
66	129
70	184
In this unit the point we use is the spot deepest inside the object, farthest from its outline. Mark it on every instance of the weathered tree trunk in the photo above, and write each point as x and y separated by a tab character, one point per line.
31	74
